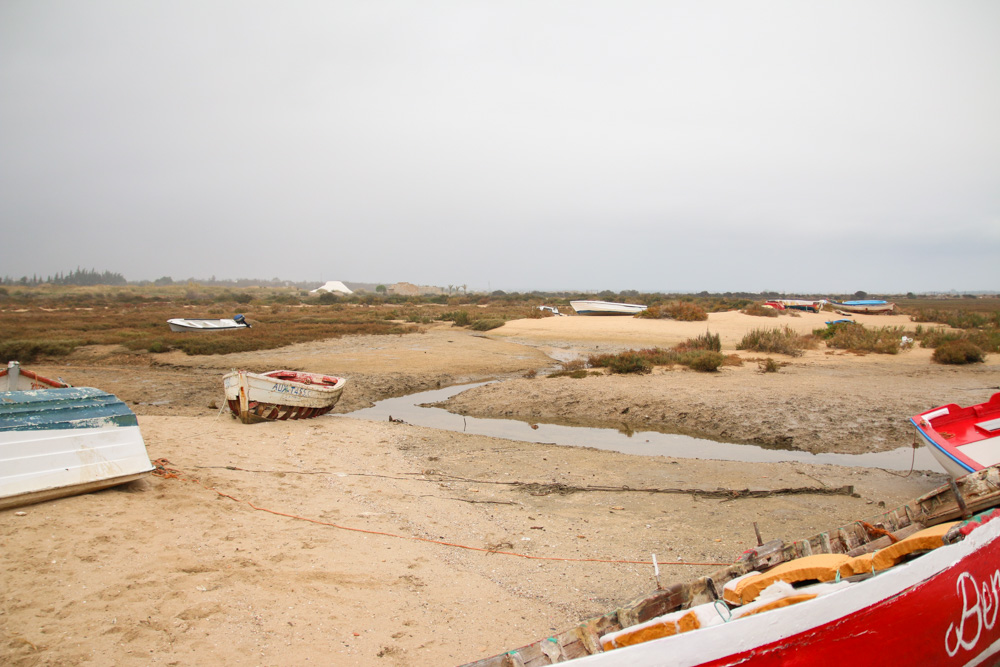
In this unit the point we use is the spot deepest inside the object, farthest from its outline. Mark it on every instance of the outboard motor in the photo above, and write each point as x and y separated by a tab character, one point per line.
239	319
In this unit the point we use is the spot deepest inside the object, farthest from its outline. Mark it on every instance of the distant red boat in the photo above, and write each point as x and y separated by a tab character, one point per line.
15	378
962	440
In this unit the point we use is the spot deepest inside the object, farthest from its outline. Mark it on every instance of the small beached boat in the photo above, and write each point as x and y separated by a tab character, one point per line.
606	308
64	441
179	324
800	304
869	306
962	439
279	395
15	378
919	584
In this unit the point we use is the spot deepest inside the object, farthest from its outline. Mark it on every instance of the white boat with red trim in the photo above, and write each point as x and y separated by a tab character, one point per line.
280	395
962	440
15	378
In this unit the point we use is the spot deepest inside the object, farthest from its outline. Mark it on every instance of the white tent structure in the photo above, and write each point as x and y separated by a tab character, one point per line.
333	286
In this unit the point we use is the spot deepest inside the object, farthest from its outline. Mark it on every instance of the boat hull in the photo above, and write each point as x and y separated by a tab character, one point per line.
962	440
15	378
606	308
178	324
872	308
940	609
907	571
66	441
280	395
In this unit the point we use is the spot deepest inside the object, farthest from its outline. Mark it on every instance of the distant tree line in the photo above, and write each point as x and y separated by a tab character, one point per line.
78	277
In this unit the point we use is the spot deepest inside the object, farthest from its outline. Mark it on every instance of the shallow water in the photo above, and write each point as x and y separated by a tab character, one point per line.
648	443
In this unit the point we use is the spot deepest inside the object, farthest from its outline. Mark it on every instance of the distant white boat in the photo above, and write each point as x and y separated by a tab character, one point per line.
180	324
606	308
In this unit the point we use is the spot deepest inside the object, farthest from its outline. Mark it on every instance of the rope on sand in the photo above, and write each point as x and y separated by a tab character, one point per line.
162	469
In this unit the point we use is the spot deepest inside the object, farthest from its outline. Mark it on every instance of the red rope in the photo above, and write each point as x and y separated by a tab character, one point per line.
162	470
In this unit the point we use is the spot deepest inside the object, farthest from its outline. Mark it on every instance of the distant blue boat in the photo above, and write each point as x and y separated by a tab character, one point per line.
865	306
66	441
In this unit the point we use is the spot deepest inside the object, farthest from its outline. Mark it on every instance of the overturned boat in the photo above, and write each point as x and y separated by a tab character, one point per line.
63	441
280	395
606	308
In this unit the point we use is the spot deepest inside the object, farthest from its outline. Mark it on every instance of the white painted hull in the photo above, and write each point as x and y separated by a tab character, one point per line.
870	309
40	465
255	397
204	325
606	308
939	609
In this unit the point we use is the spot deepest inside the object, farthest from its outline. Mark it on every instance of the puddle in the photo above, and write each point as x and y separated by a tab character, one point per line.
646	443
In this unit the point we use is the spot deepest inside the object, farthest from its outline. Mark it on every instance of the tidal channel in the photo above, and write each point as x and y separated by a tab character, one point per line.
411	409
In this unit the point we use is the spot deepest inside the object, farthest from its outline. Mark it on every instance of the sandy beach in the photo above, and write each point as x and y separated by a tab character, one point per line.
351	542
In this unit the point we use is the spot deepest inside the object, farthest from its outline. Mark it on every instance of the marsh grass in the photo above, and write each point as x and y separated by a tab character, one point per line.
958	352
759	310
778	340
855	337
701	354
683	311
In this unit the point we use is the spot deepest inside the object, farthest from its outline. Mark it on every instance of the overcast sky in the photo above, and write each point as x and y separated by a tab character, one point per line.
652	145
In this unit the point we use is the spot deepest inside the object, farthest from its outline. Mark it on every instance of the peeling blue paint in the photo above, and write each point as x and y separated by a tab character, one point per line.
68	408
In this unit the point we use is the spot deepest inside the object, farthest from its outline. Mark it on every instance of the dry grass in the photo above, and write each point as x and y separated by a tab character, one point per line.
49	321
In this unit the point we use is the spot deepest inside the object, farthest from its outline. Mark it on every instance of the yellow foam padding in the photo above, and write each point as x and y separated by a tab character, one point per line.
729	590
661	626
783	602
924	540
818	567
858	565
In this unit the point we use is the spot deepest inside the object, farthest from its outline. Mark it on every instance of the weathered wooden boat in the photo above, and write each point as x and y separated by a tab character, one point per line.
800	304
962	440
869	306
65	441
180	324
606	308
280	395
920	583
15	378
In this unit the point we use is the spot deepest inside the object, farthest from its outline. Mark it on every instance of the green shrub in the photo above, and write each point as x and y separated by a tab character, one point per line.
759	310
779	340
686	312
459	317
576	375
625	362
705	361
26	351
958	352
486	325
857	338
705	341
768	365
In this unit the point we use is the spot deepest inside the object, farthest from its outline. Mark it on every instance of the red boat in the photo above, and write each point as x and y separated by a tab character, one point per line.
919	585
15	378
962	439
